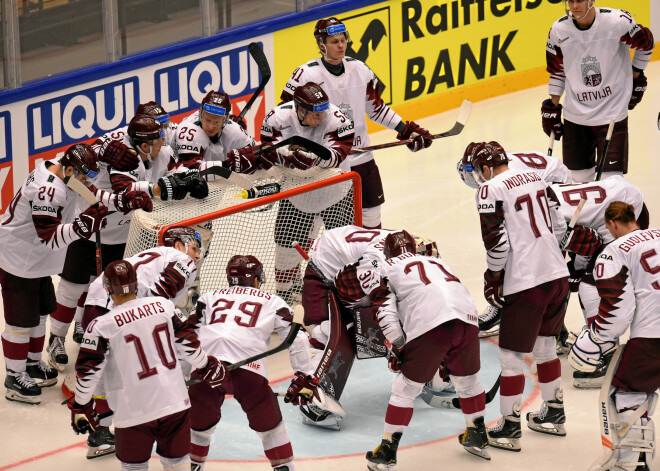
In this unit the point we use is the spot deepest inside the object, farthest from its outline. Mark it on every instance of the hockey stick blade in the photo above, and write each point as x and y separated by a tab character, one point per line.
299	141
80	188
490	395
260	58
461	120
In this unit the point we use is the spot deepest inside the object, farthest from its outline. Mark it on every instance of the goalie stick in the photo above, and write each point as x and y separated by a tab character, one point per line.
260	58
463	115
601	162
88	196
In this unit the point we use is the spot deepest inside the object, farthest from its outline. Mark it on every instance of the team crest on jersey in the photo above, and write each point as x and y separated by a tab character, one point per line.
591	74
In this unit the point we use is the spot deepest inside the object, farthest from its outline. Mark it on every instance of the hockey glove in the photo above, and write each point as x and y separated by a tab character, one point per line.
574	276
243	160
196	184
118	155
493	281
421	137
270	158
394	357
214	372
296	394
581	240
588	350
299	159
173	187
241	122
551	118
128	201
83	418
90	221
638	89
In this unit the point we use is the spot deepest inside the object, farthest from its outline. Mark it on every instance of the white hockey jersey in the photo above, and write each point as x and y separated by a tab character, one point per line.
421	293
593	65
355	92
517	221
627	275
551	169
135	349
193	145
599	195
236	323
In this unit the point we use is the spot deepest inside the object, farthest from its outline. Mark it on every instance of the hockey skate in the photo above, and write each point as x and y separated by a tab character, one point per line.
383	458
21	388
506	434
475	439
100	443
57	357
593	380
489	322
41	373
78	333
313	415
550	418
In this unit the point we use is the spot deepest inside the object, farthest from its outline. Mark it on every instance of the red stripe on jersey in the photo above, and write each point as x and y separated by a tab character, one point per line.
492	227
642	39
285	314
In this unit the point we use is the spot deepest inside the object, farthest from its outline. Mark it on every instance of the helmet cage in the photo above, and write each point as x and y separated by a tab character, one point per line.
426	247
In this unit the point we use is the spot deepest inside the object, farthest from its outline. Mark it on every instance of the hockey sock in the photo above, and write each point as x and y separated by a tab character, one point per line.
277	446
471	395
473	407
200	441
511	390
15	347
80	308
37	339
549	378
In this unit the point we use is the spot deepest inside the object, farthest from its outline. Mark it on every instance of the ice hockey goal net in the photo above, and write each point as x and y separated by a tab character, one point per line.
309	202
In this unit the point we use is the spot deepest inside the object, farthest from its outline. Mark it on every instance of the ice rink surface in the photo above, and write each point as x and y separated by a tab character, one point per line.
424	195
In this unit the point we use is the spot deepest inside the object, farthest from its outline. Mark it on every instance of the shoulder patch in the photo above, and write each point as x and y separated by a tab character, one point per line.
286	107
350	59
563	18
50	178
604	10
312	64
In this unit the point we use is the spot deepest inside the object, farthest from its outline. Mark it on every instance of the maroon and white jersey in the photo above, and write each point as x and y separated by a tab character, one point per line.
147	172
135	349
236	323
421	293
627	276
161	271
551	169
335	133
193	146
169	135
517	220
37	226
599	195
593	65
355	92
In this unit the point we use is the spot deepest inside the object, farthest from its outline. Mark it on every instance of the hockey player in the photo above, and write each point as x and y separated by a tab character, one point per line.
155	110
132	350
207	135
233	324
428	316
587	54
312	116
626	275
354	88
40	222
527	278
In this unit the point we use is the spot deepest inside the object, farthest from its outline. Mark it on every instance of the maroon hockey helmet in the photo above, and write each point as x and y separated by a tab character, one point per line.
243	269
311	97
143	128
216	103
397	243
184	234
155	110
480	154
120	278
329	27
83	159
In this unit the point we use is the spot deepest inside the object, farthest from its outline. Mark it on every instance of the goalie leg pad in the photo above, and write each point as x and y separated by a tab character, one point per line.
439	392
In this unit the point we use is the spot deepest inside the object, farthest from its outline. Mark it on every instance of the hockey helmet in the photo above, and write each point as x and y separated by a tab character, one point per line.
216	103
397	243
311	98
155	110
144	129
466	176
426	247
184	234
83	159
480	154
119	277
243	269
329	27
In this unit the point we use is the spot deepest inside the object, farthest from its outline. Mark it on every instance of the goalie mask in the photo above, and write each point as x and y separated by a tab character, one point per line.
312	102
155	110
480	154
120	278
83	159
426	247
183	234
397	243
242	270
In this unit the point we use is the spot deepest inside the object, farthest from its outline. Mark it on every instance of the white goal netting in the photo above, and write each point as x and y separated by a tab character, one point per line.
264	227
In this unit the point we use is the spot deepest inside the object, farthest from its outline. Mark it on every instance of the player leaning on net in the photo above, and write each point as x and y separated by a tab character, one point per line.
39	224
626	275
150	178
598	196
429	317
587	56
354	88
527	279
134	351
235	323
310	115
551	169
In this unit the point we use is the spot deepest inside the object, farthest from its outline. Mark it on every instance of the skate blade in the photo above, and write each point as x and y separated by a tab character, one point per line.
58	366
509	444
97	452
380	466
331	423
480	452
17	397
550	429
44	383
489	333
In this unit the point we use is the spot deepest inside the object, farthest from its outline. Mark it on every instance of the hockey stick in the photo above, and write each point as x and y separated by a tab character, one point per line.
318	149
601	163
490	395
571	224
88	196
463	115
241	181
329	284
260	58
551	144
